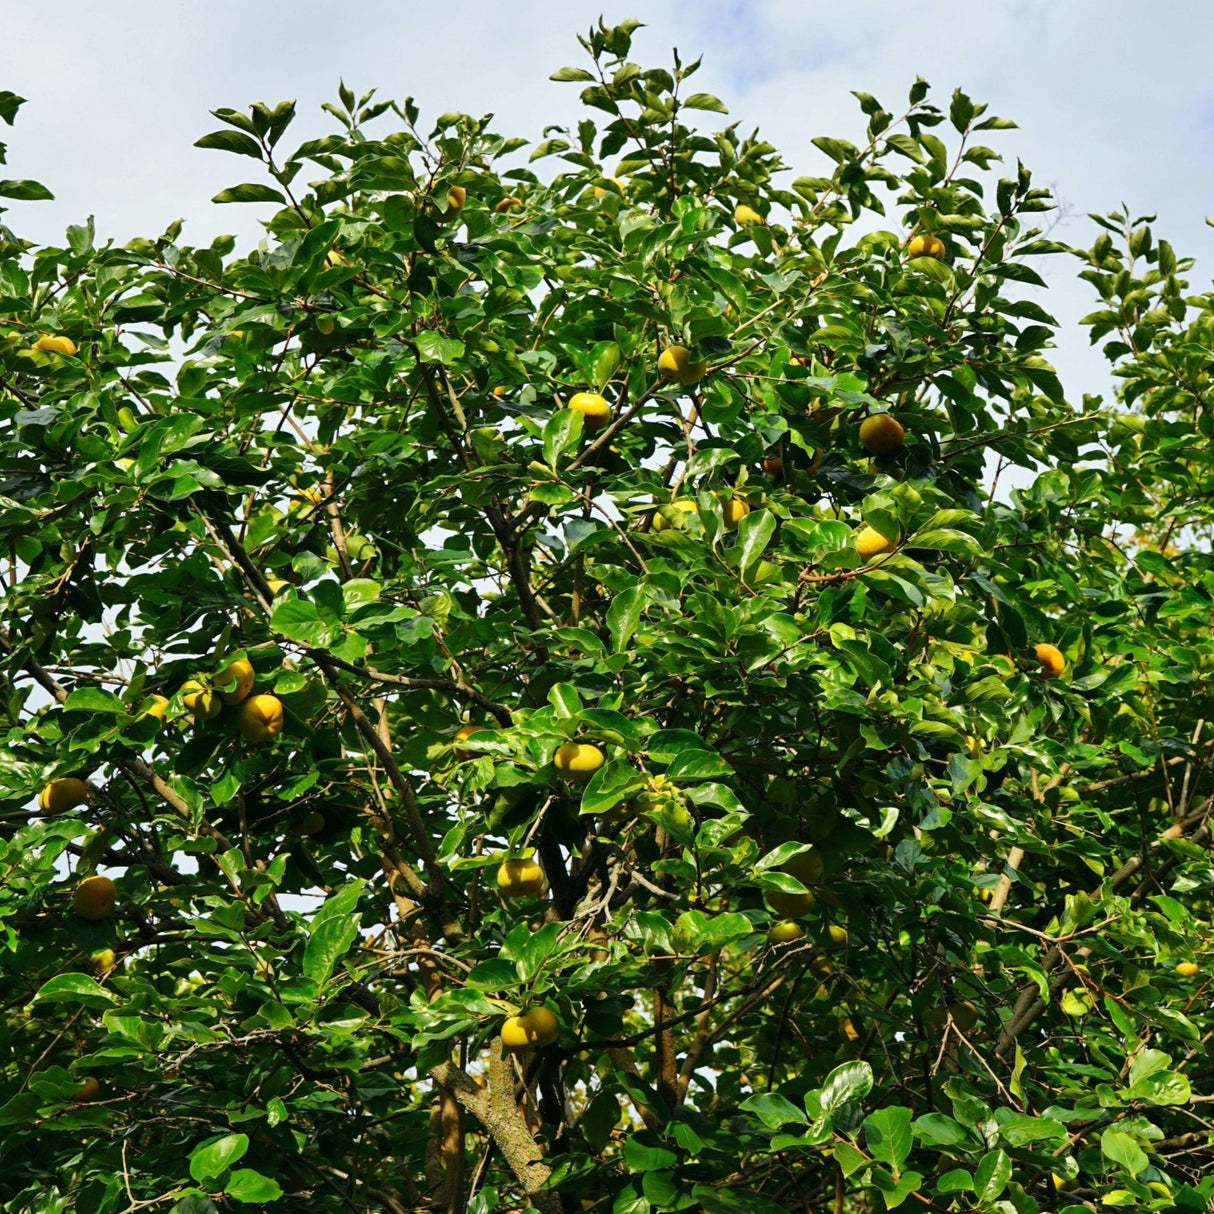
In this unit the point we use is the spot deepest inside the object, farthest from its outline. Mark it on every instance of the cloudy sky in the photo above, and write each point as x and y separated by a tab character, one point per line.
1114	99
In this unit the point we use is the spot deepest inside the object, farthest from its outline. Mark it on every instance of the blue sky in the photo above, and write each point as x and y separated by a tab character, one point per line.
1114	99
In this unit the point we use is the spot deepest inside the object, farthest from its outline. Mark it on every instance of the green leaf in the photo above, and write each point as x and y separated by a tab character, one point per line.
250	192
438	348
249	1187
299	620
231	141
705	101
992	1174
93	699
848	1158
20	1109
1161	1088
642	1158
938	1129
333	930
561	433
846	1084
74	988
887	1135
612	783
25	191
572	74
754	534
207	1162
1120	1148
607	357
774	1111
624	615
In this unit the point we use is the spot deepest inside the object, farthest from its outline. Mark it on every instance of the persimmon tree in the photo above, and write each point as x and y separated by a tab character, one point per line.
670	802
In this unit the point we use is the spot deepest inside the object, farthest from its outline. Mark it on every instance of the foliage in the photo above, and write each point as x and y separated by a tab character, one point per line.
343	456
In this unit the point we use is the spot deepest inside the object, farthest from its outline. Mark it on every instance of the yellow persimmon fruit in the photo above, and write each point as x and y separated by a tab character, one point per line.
838	935
63	794
785	932
520	879
103	960
88	1091
578	760
595	411
93	898
312	823
259	718
242	674
55	343
1188	968
675	362
821	967
673	515
156	707
747	217
882	435
733	512
201	701
848	1030
462	734
806	868
506	205
964	1014
536	1027
870	542
1051	661
925	245
456	197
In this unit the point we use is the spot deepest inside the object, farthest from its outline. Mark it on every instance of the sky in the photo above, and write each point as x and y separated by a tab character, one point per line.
1114	99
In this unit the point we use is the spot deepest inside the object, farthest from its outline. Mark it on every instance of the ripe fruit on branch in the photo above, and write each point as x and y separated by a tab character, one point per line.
259	718
1051	661
882	435
785	931
505	205
595	411
673	515
520	879
55	343
93	898
462	734
963	1013
733	512
806	868
204	703
675	362
537	1027
103	961
925	245
59	796
578	761
88	1091
870	542
456	197
1188	968
239	672
747	217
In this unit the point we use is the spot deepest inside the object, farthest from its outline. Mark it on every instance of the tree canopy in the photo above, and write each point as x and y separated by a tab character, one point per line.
602	674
